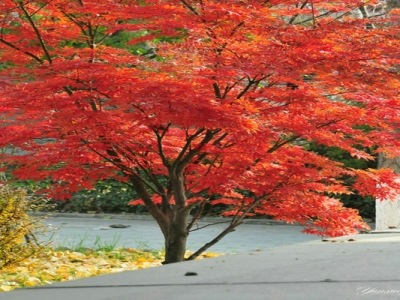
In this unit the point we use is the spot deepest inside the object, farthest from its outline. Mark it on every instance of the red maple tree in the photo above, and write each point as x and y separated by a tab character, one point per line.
237	90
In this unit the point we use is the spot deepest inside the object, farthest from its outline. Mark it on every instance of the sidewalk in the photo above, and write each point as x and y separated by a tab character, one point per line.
366	268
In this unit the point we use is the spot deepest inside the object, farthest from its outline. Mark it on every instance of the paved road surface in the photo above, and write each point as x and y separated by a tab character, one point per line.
146	234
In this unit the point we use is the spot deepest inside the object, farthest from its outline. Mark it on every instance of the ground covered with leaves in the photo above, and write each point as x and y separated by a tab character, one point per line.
54	266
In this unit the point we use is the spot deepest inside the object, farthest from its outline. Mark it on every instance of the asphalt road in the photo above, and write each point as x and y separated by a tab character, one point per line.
143	234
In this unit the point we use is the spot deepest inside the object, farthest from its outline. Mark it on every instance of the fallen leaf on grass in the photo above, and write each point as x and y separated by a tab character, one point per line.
61	266
56	266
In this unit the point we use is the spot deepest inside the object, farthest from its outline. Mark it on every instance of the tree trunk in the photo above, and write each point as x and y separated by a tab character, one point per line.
172	219
175	241
387	211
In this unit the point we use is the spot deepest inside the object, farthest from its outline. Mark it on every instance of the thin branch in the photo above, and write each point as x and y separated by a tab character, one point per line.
236	28
146	183
38	35
279	144
68	90
329	123
217	91
236	216
340	93
114	153
191	8
189	156
18	49
227	230
313	14
252	82
199	228
76	23
40	8
160	148
152	177
88	87
218	140
342	15
113	161
90	39
197	216
228	88
211	166
186	146
313	18
295	16
102	39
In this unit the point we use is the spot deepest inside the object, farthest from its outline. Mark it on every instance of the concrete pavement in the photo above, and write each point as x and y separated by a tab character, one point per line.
367	268
364	266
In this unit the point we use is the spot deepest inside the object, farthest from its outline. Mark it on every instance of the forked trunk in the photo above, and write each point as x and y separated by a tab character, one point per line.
172	219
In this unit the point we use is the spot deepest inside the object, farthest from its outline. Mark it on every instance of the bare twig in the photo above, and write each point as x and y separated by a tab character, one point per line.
199	228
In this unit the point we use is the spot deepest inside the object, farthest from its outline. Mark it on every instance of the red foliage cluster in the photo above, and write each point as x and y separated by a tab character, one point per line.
229	105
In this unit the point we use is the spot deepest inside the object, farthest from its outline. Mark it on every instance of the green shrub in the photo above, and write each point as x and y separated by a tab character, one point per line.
365	205
18	230
108	196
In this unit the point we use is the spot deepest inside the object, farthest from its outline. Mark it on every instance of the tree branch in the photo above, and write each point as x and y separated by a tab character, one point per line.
295	16
160	148
180	165
251	82
197	216
229	229
342	15
186	147
39	36
217	90
152	177
191	8
279	144
208	225
18	49
313	18
78	24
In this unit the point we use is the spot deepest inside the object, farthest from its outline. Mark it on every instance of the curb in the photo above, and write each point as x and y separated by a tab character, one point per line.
266	222
150	218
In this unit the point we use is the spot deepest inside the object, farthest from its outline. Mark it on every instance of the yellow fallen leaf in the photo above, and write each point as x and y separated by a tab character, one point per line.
76	256
150	259
141	259
79	274
63	269
209	254
29	283
6	288
34	280
11	278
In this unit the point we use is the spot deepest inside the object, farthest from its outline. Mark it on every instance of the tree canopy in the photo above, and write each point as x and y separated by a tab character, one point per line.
225	106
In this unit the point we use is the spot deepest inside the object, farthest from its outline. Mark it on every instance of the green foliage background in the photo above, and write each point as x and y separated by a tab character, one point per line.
365	205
